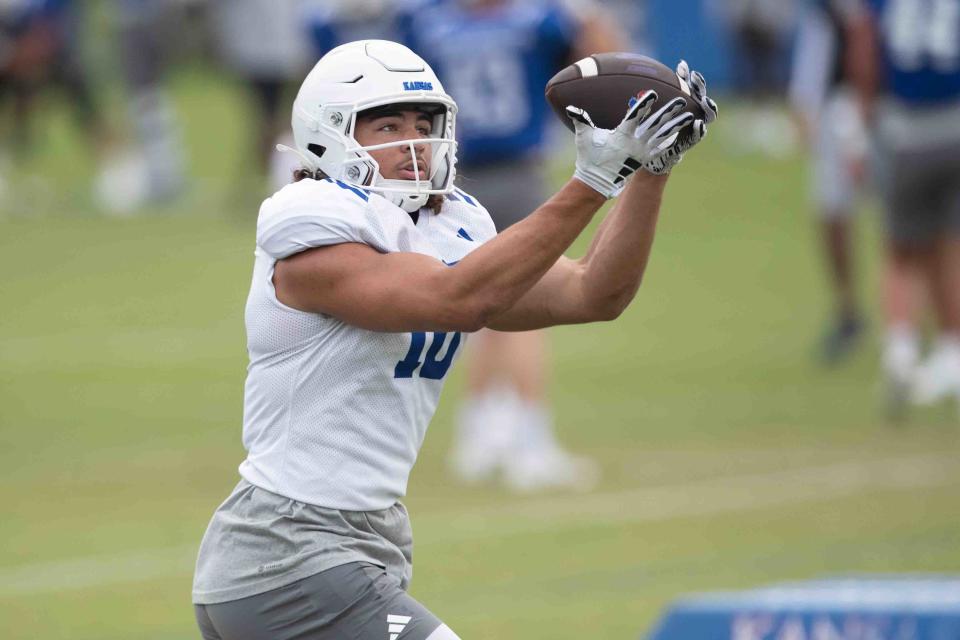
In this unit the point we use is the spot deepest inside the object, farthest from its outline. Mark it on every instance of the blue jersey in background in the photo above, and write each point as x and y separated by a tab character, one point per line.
17	15
331	25
495	63
921	49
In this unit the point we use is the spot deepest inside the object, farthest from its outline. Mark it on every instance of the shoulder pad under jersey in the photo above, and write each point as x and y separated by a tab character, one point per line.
317	213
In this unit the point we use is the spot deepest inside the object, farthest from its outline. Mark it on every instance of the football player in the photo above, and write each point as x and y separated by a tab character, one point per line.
830	121
152	169
906	65
760	33
40	48
264	44
495	56
370	271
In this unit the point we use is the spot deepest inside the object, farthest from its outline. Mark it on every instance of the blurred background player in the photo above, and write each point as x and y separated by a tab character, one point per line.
495	57
761	32
151	170
906	66
336	21
43	49
830	123
264	44
28	46
40	42
633	17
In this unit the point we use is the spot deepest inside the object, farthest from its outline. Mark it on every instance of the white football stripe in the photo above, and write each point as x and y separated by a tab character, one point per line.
684	86
398	619
588	67
396	628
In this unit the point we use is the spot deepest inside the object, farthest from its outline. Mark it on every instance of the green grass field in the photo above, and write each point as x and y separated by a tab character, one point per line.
730	458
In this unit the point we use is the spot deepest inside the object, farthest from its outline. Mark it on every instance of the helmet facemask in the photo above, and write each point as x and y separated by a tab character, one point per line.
356	166
362	169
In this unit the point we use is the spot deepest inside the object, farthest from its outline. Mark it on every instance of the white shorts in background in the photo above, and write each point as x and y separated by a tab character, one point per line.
840	139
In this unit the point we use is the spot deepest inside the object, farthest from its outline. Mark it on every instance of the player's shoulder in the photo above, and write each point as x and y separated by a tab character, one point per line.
312	213
323	192
471	212
459	198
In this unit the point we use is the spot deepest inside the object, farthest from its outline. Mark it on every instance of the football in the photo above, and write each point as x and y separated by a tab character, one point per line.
603	84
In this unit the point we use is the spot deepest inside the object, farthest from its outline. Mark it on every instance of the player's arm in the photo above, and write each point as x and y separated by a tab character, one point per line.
862	60
413	292
810	69
601	284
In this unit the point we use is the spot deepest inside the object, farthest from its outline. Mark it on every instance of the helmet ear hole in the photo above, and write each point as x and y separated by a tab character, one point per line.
316	149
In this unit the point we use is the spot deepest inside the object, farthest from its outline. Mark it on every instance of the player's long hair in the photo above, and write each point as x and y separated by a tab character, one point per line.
434	202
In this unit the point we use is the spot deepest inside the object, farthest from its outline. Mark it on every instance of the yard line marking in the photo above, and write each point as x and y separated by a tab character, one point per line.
97	571
709	497
703	498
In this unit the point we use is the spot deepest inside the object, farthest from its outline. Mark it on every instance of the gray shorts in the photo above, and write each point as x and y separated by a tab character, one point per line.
356	600
922	195
510	191
258	541
834	185
919	173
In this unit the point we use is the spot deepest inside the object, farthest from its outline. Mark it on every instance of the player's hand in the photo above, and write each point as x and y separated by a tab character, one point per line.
674	153
698	89
606	158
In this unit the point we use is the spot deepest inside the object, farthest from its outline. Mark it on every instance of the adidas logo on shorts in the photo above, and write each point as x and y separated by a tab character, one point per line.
396	625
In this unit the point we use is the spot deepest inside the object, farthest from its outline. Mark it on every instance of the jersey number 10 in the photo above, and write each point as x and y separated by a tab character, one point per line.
433	368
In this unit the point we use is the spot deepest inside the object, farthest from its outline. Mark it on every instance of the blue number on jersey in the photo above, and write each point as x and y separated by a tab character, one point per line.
921	43
432	369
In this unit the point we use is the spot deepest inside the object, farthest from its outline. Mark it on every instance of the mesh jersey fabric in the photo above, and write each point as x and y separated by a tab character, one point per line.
334	415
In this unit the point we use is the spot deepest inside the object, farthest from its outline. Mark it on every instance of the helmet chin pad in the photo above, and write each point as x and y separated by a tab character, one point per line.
408	200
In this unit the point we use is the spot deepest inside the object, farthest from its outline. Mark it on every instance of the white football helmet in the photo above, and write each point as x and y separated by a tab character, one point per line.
363	75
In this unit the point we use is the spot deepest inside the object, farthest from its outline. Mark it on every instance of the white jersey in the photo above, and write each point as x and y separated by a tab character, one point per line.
334	415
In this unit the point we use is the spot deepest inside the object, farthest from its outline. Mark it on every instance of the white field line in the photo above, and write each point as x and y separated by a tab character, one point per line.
699	499
703	498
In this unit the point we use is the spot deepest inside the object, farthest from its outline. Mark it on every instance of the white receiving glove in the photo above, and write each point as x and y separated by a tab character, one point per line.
698	87
606	158
674	154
